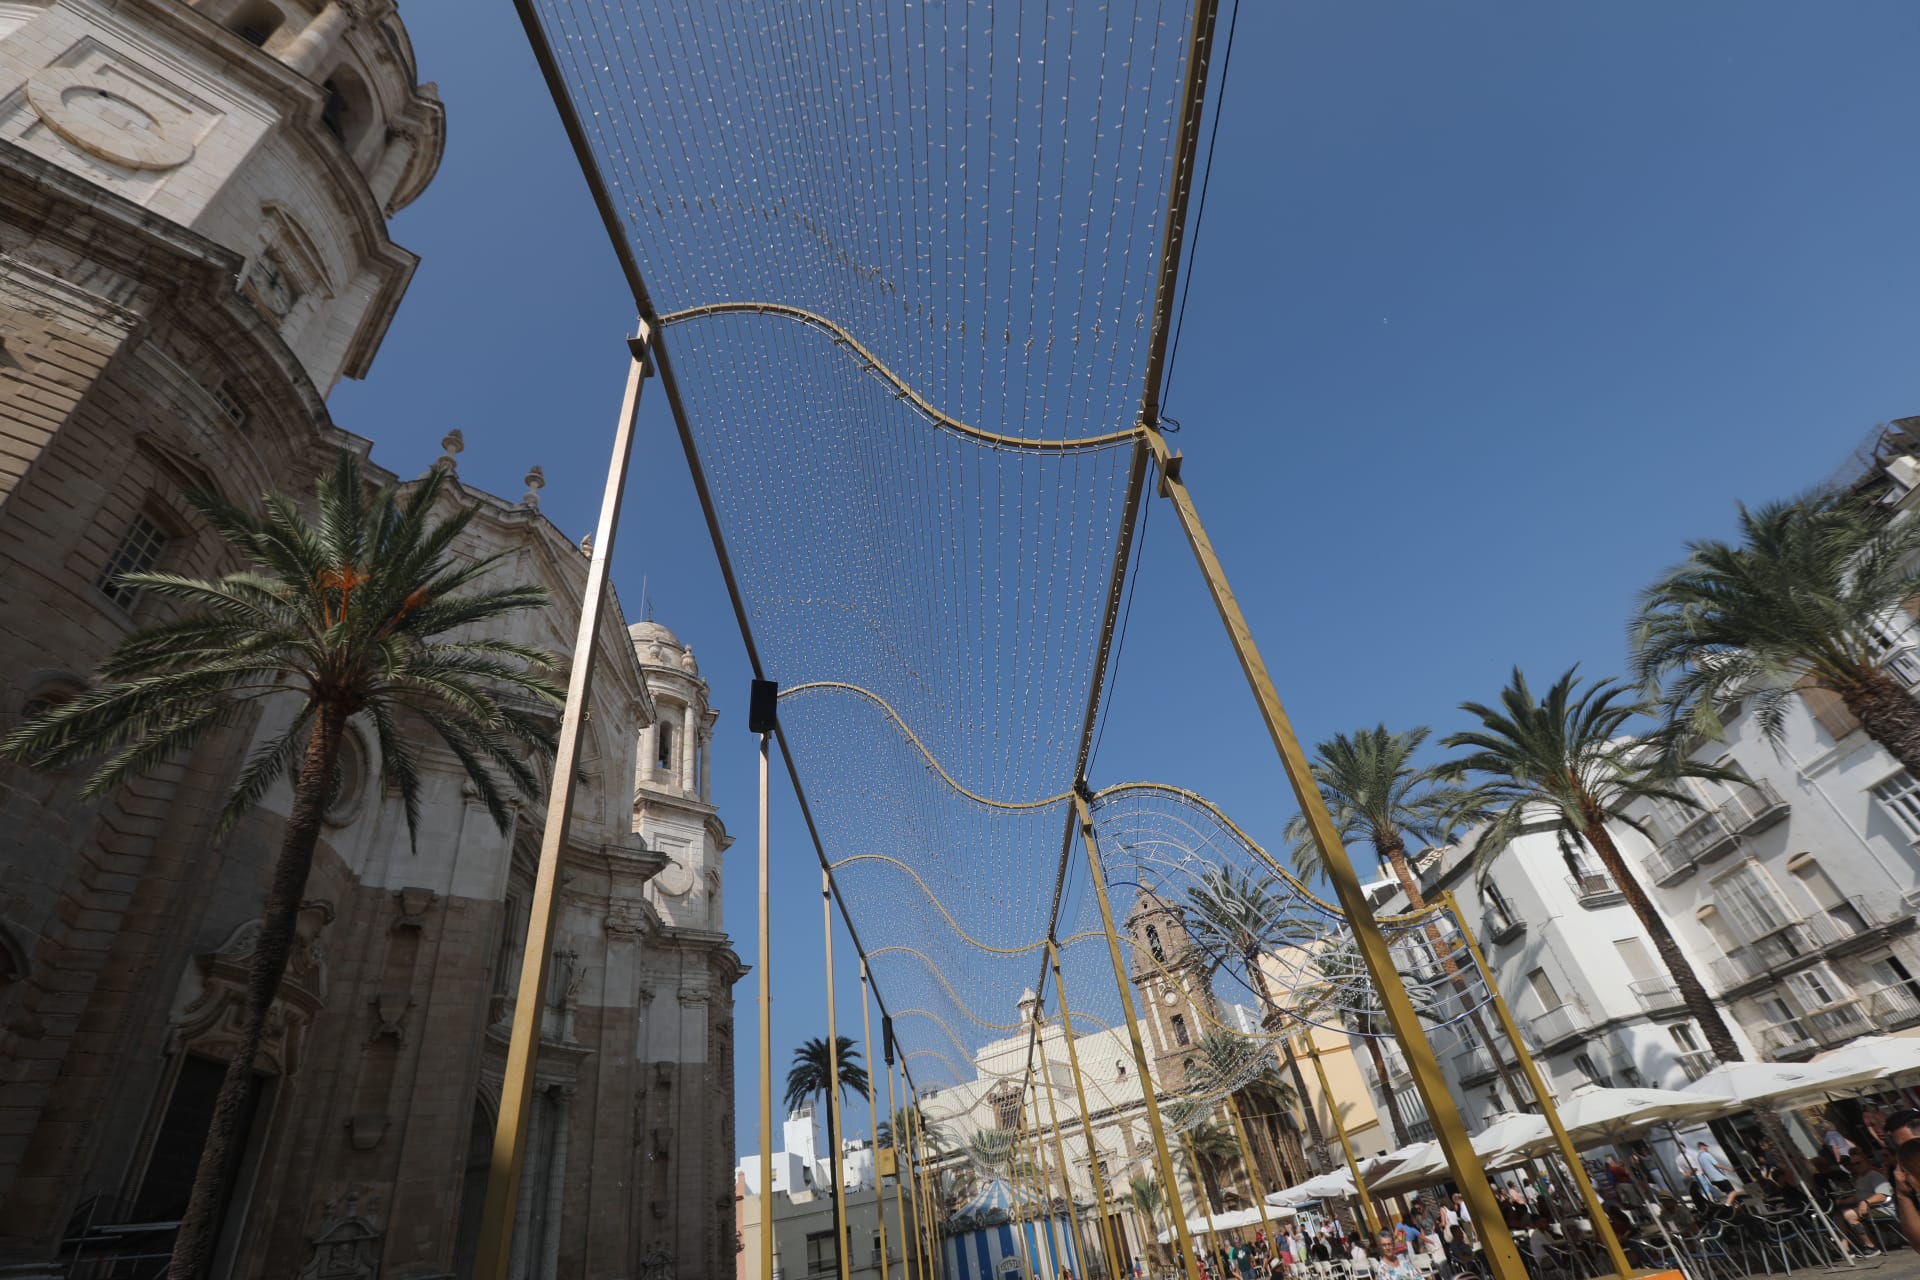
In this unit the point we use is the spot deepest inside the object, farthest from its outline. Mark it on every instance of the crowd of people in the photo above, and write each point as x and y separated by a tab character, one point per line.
1869	1186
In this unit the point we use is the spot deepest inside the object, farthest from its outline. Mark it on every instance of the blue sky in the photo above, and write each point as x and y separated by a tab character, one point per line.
1495	305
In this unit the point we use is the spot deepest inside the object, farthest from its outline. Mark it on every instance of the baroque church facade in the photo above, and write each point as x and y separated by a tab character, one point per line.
193	251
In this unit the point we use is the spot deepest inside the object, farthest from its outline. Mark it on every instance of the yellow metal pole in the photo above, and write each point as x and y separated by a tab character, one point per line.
899	1170
1253	1171
1346	1144
1161	1153
523	1045
1602	1225
924	1221
1502	1255
1043	1174
873	1120
1200	1185
1060	1148
766	1032
1095	1174
840	1236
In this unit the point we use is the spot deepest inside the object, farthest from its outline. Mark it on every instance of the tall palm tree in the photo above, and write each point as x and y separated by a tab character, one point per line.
334	615
1241	1072
1347	991
912	1118
1804	600
1376	794
1233	919
1143	1193
811	1078
1214	1149
1568	756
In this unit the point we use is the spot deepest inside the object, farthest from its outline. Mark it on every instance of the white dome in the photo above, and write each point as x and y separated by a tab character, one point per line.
642	632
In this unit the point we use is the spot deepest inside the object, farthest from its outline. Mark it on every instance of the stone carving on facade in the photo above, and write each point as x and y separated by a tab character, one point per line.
211	1013
626	920
390	1015
536	480
103	105
414	905
346	1245
656	1263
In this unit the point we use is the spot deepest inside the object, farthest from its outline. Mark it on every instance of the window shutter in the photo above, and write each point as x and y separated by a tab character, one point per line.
1828	708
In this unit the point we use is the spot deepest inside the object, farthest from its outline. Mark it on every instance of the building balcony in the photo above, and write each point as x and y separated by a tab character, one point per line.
1852	923
1836	1024
1655	994
1595	889
1903	664
1498	926
1560	1026
1892	1007
1713	833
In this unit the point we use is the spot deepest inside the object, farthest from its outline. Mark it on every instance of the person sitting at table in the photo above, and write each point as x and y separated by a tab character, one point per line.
1871	1196
1460	1254
1540	1241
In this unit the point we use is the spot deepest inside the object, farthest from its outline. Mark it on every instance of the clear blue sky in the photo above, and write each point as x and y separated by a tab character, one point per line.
1496	305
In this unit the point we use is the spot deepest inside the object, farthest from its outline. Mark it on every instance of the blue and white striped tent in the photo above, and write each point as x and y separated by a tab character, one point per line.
986	1244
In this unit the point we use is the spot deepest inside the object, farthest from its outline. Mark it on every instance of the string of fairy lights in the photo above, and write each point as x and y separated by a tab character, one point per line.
906	260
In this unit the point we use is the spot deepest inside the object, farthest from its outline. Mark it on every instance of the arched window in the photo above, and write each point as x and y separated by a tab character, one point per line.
1180	1035
334	112
664	757
1153	943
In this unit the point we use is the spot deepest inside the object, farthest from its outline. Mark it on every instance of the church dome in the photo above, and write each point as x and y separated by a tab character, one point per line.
643	632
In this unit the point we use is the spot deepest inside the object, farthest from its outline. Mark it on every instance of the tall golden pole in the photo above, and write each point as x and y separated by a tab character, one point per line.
1060	1147
1346	1144
873	1119
840	1236
766	1032
1602	1225
1200	1185
1468	1175
1161	1154
899	1172
925	1225
1253	1171
1095	1174
529	1006
1049	1236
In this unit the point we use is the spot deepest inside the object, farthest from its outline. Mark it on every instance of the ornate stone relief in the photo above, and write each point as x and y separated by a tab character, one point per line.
211	1013
346	1245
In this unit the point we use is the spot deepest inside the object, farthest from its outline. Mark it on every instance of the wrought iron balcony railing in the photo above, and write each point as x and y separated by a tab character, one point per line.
1595	889
1557	1025
1752	806
1655	994
1853	921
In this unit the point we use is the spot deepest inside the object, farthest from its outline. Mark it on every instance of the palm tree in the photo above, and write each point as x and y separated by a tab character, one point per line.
1375	794
912	1118
1143	1193
1567	756
1213	1148
1235	1069
1803	601
1232	918
1347	989
330	618
811	1077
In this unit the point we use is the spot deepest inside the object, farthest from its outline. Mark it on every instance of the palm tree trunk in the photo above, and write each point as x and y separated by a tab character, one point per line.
199	1230
1386	1090
1889	715
1395	853
1693	995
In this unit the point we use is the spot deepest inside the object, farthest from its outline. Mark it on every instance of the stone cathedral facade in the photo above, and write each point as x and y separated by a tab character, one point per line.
193	250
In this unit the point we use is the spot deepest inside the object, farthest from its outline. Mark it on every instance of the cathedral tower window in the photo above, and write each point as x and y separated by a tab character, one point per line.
333	115
1180	1035
664	758
137	551
1153	943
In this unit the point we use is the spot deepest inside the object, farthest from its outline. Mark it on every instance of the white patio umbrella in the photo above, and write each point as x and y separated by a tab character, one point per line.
1415	1165
1779	1083
1231	1221
1594	1115
1883	1056
1509	1138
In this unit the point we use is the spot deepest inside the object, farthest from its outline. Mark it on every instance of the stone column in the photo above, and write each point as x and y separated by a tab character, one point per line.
401	141
310	51
649	748
688	739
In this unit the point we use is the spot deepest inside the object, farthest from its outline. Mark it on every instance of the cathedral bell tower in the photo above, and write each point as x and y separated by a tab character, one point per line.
1173	995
